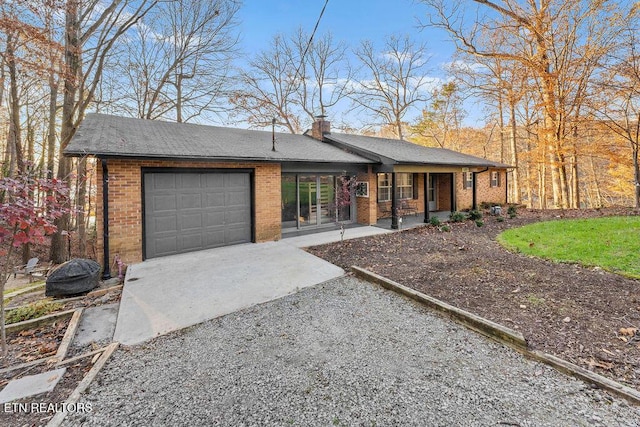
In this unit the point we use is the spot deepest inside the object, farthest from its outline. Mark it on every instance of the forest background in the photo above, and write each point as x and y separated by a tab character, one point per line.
550	87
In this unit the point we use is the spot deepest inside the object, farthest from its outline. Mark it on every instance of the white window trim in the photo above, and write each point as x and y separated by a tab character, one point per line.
405	187
467	180
388	179
495	183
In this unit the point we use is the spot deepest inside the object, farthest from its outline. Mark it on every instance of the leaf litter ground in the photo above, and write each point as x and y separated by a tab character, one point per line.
584	315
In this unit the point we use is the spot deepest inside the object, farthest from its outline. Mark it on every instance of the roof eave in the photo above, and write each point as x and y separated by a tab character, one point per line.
138	156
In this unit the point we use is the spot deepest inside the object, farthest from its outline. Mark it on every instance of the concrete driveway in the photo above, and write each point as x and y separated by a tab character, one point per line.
170	293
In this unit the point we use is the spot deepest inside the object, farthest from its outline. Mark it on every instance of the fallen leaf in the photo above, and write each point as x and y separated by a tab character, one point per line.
608	352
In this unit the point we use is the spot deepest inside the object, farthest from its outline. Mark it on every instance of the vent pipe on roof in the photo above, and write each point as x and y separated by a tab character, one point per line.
320	127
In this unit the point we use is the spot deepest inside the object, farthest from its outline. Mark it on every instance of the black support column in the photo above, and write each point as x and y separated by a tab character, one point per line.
474	202
454	206
426	197
394	203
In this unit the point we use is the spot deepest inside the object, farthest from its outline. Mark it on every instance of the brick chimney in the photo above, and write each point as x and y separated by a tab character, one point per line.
320	127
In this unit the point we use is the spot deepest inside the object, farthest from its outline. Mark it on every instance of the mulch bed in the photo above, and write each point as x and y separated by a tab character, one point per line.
34	344
567	310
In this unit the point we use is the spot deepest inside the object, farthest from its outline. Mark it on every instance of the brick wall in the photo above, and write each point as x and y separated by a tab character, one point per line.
484	192
366	207
125	202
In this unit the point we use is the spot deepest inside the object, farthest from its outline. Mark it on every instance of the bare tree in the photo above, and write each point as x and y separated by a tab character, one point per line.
618	103
91	30
178	60
293	81
391	82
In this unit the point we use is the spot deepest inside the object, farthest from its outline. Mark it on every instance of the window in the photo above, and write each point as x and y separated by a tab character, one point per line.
384	187
404	182
495	179
404	185
467	180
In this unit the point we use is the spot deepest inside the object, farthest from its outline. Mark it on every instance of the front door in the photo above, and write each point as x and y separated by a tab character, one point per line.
433	203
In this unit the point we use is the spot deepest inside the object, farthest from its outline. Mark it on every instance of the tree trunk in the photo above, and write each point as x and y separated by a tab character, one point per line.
513	139
596	184
72	71
636	174
179	97
14	138
51	130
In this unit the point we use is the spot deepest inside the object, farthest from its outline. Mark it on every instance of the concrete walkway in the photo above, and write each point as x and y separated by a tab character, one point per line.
170	293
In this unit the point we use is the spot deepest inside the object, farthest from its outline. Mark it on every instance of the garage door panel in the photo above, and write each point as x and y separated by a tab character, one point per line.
167	224
236	217
235	235
190	222
165	245
163	182
237	180
187	211
214	180
165	202
190	180
215	238
237	198
191	201
215	218
191	242
214	199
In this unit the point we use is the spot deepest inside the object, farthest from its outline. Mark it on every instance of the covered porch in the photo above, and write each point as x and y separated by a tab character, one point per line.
405	192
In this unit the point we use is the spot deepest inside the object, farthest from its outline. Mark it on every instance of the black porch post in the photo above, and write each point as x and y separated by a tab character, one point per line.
453	193
426	197
394	203
474	203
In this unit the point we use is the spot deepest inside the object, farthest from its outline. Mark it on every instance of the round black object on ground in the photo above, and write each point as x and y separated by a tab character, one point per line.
73	277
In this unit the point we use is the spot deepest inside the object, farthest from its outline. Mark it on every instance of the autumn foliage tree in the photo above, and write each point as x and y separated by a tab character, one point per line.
29	207
558	44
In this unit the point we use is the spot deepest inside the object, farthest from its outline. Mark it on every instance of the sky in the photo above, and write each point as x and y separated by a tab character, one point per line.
350	21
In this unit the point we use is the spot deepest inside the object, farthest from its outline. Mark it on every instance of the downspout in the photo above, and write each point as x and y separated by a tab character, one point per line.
506	186
106	273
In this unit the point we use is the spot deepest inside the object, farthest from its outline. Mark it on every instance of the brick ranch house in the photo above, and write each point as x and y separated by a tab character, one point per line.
168	188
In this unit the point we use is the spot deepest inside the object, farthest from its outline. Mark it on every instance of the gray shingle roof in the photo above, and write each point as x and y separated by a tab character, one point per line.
403	152
113	136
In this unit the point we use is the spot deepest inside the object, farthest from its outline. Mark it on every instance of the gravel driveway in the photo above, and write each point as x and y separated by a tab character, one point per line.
345	352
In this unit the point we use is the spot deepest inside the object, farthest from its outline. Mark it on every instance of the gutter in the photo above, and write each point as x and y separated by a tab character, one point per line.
106	273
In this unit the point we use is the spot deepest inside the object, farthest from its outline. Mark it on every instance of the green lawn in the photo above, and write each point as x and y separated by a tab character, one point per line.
612	243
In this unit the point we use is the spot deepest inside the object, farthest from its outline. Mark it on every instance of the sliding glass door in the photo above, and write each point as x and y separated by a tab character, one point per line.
310	201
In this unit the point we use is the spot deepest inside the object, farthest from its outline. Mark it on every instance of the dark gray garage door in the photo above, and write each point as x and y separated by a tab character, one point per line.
187	211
